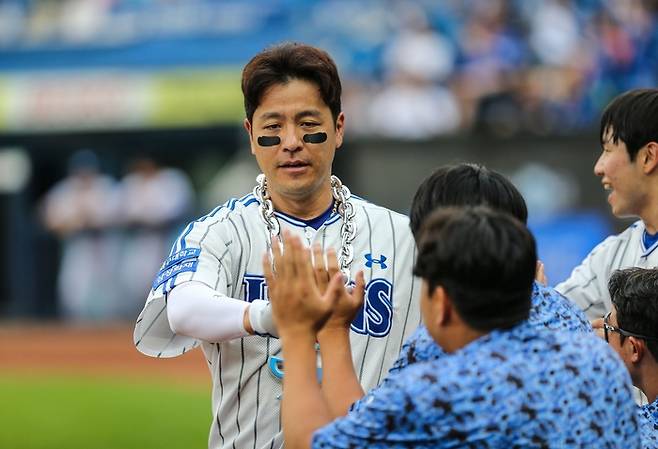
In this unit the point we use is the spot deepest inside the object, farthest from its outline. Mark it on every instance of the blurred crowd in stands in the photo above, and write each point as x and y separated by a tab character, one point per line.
412	69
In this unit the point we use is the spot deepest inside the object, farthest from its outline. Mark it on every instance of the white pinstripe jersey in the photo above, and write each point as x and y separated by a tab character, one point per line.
224	250
588	284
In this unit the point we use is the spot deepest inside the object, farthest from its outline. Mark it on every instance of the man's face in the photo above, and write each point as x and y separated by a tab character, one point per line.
622	177
295	169
615	340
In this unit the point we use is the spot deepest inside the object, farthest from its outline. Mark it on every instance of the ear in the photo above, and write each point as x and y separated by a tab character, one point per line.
441	305
247	126
635	349
340	129
649	157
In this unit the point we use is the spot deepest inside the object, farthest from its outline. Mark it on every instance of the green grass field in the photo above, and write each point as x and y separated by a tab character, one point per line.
58	412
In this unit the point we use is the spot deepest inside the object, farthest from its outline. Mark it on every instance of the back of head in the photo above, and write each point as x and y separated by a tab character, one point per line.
465	185
633	118
83	161
634	292
284	62
484	259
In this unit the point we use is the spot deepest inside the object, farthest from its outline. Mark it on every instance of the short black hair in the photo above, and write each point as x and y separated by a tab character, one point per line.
484	259
634	292
633	118
287	61
465	185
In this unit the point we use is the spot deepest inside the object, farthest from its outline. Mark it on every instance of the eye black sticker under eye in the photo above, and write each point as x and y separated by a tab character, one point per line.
268	141
315	138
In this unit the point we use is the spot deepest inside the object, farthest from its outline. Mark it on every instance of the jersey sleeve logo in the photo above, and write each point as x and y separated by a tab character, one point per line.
168	273
370	261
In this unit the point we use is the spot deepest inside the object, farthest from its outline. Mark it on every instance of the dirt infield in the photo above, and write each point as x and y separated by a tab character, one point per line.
89	350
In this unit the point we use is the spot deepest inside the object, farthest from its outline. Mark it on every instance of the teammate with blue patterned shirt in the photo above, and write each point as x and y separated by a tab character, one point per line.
211	290
631	329
628	167
472	184
503	383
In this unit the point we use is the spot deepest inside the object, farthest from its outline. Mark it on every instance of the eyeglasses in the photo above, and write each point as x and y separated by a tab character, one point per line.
607	327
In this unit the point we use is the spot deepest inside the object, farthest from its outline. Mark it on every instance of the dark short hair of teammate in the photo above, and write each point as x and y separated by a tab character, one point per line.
284	62
634	293
465	185
488	278
633	118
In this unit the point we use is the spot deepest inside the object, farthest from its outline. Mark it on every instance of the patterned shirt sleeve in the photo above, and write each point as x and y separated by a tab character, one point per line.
550	309
648	420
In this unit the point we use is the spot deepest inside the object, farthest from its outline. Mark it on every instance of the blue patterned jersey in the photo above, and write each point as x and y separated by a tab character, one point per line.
549	310
648	417
521	388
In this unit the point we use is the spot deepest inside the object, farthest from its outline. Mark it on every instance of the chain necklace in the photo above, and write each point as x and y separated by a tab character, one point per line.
342	206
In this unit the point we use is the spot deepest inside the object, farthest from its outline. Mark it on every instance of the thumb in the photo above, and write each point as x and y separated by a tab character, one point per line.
334	289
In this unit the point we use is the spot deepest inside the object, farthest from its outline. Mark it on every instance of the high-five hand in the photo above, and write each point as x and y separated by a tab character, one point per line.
347	301
297	303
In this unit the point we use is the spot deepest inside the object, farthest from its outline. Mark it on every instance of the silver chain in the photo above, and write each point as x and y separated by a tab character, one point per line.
342	206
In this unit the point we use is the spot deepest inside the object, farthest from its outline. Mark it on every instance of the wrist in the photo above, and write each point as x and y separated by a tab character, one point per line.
297	333
331	333
246	322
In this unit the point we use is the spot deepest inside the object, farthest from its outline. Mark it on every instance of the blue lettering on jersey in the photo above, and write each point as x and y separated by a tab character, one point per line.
376	316
168	273
380	261
254	287
184	254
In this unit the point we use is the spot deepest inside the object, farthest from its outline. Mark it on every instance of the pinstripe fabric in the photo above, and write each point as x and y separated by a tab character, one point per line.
588	284
232	240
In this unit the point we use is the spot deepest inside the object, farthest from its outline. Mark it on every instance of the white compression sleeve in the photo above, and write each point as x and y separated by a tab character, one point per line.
261	319
198	311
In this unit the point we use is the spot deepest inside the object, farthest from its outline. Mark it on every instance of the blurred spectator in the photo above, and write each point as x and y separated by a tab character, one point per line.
413	104
501	66
154	202
81	210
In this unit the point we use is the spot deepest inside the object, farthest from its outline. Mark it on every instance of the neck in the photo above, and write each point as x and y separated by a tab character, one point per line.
460	337
649	214
648	382
304	207
651	221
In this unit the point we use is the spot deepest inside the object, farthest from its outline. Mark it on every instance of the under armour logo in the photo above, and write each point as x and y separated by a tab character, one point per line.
381	261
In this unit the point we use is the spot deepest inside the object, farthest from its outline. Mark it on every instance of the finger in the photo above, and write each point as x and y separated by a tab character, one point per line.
540	274
269	275
332	262
359	288
334	291
304	265
319	268
277	255
597	323
288	259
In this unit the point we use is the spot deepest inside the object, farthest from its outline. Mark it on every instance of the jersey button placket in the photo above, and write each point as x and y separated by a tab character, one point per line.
309	233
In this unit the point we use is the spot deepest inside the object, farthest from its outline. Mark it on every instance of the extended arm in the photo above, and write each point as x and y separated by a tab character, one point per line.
198	311
299	312
340	383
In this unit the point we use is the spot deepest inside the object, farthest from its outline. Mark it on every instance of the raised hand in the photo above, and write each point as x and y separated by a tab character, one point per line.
297	302
346	300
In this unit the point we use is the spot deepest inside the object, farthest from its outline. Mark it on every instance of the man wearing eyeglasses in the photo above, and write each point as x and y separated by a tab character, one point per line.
631	328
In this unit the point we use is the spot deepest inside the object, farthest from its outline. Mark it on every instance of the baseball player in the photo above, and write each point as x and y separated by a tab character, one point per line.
505	383
628	166
211	290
